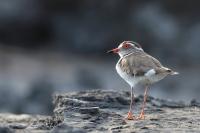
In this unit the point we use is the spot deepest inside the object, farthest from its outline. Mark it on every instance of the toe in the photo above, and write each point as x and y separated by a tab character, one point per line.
141	117
130	116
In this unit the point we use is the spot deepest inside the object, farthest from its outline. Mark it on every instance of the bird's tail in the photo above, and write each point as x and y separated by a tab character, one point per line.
171	72
174	73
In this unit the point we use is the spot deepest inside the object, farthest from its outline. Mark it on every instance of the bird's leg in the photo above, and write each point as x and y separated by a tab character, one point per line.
130	113
142	116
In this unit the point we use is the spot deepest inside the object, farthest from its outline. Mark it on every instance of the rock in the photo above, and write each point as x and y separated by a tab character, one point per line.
105	111
90	110
18	126
5	129
194	103
165	103
67	129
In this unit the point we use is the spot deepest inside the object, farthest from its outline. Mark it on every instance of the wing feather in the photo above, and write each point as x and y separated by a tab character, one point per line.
139	64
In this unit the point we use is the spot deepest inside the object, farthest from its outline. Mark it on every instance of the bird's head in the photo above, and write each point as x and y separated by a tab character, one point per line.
126	47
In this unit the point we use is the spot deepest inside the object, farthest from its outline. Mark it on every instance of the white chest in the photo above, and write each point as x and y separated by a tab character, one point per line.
131	80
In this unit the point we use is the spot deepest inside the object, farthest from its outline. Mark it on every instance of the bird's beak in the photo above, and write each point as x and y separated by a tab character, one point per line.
116	50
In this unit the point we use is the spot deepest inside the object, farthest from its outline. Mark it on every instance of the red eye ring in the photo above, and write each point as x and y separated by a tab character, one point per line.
126	46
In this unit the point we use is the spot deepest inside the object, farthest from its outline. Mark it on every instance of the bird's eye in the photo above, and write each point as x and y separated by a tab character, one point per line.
126	46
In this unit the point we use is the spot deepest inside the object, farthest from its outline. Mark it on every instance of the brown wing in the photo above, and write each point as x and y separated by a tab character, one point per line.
139	64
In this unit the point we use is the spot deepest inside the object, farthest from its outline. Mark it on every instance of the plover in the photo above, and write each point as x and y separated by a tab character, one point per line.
137	67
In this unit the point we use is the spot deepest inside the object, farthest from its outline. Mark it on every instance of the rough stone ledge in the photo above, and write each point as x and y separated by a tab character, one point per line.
105	111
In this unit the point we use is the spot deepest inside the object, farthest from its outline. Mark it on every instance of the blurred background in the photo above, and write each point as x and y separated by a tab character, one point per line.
49	46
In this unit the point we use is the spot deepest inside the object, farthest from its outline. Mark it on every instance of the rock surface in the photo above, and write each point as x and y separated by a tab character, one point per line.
105	111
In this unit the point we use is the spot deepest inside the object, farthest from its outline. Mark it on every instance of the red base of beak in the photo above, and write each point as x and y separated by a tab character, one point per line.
116	50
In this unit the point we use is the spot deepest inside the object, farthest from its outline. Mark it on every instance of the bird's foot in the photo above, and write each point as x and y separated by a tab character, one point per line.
141	116
130	116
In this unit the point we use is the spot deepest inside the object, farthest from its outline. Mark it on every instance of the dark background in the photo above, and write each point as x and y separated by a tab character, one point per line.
48	46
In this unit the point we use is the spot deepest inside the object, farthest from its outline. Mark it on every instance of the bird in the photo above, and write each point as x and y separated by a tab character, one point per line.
137	67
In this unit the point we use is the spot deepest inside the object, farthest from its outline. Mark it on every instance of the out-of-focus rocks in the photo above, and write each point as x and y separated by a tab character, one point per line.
81	27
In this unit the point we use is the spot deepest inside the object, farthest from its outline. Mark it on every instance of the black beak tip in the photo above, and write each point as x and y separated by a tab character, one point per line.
110	51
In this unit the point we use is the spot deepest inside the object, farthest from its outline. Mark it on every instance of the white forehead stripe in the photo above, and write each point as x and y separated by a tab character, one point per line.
134	44
120	45
130	43
126	43
150	73
140	49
